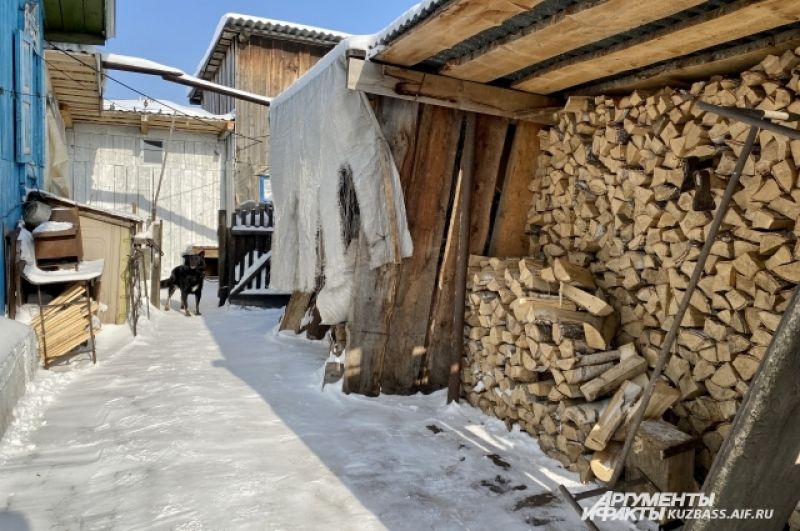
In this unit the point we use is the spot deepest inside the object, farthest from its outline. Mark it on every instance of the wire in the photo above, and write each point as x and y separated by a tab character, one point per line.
137	91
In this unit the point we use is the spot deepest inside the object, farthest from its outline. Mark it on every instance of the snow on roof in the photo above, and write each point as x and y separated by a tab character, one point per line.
291	30
413	16
148	106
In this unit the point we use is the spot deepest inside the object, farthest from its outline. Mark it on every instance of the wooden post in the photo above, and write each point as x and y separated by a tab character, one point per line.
509	236
757	466
427	195
465	203
222	264
155	266
374	293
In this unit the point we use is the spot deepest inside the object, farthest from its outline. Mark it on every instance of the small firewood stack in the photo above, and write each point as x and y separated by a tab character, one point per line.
539	354
66	323
610	194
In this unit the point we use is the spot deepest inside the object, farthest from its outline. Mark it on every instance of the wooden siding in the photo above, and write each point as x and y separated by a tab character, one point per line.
108	173
264	66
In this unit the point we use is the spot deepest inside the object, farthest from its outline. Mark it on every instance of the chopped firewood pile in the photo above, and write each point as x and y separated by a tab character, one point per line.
66	323
540	355
561	342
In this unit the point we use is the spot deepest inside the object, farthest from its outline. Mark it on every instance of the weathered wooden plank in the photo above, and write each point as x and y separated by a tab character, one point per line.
725	24
442	335
373	299
579	25
455	22
509	236
699	66
427	194
397	82
295	310
490	138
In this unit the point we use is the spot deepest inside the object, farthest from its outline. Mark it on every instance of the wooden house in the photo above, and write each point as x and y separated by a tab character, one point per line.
262	56
116	159
542	151
24	26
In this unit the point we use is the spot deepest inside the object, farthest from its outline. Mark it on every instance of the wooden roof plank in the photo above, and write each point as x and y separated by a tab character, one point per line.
723	25
571	29
701	66
456	22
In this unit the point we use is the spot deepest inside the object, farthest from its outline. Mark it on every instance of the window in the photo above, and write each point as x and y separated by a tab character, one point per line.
264	189
152	151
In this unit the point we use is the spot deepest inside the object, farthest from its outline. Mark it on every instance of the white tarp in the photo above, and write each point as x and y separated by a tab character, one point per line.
318	127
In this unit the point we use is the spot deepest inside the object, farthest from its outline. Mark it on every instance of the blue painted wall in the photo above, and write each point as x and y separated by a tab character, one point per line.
22	104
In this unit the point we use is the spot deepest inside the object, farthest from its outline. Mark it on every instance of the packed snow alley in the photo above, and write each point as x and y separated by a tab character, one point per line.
219	422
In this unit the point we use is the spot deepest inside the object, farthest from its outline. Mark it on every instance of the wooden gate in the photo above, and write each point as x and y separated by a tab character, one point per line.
245	252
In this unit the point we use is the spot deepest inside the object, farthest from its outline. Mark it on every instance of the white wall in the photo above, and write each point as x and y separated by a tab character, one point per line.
108	172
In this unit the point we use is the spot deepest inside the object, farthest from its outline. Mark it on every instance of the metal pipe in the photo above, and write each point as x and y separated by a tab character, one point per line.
666	347
750	117
576	506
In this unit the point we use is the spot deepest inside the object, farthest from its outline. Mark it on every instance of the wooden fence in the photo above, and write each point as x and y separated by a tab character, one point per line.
245	241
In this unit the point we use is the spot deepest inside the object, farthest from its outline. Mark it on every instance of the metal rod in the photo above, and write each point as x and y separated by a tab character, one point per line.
462	261
666	347
750	117
575	505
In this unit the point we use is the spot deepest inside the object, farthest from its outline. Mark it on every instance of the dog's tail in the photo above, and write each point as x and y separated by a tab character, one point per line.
167	282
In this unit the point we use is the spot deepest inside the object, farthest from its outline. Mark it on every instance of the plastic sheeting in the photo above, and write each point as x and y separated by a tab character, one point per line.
320	131
57	175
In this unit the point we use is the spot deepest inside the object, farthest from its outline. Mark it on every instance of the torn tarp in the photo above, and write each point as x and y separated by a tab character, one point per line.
325	138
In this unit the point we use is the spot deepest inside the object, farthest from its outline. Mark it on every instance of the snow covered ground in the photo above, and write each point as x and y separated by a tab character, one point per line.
217	422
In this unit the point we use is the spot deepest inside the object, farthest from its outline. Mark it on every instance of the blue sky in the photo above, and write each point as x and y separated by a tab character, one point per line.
177	32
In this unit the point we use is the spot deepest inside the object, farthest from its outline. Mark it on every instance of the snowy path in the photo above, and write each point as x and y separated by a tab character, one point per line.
215	422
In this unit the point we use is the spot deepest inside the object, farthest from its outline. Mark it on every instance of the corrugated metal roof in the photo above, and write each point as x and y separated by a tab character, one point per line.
236	23
405	22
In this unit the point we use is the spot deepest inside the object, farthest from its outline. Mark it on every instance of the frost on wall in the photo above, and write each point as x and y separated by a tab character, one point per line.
322	133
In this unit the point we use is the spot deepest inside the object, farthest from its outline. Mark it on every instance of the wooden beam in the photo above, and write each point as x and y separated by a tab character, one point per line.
731	22
227	130
509	237
396	82
427	196
579	25
491	133
144	125
455	22
686	70
373	301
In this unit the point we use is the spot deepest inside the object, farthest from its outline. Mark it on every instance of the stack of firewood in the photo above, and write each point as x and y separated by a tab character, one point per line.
611	194
539	354
66	323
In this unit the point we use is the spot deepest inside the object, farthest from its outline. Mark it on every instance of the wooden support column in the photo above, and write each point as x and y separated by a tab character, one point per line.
509	236
427	195
482	149
490	139
373	301
758	466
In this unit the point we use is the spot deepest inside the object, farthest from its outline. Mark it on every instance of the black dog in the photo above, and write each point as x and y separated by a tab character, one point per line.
189	279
